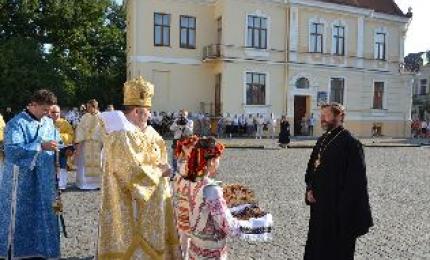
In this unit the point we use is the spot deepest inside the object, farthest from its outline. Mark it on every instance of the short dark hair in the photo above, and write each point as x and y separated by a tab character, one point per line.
44	97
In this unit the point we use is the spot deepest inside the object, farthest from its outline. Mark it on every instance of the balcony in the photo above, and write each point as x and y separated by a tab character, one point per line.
213	52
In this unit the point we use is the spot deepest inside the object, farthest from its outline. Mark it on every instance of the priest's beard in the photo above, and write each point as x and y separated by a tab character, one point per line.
330	125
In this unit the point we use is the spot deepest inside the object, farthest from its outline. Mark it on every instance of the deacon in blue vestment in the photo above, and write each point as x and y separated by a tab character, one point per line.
28	224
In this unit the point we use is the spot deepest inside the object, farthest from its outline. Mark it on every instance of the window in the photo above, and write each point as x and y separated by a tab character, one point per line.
161	29
316	37
302	83
423	87
257	32
337	86
339	40
255	88
378	95
380	46
187	32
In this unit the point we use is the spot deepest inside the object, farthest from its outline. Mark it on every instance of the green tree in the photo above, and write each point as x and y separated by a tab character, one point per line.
80	42
23	69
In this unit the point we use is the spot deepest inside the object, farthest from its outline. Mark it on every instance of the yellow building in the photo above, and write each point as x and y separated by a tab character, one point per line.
280	56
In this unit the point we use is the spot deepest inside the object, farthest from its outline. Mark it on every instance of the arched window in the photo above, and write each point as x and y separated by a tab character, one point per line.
302	83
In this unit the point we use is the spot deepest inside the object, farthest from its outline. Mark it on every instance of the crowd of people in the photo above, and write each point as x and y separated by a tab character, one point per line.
147	211
420	128
256	126
307	125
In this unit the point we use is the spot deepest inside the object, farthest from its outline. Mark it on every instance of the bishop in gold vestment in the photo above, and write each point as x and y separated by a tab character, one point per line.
136	216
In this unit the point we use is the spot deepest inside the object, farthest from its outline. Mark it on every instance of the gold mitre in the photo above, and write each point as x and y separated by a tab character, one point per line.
138	92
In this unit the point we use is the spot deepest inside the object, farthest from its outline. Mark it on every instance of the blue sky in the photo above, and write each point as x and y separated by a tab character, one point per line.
418	37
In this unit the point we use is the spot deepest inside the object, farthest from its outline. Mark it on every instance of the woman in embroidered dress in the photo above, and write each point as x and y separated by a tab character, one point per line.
209	220
181	188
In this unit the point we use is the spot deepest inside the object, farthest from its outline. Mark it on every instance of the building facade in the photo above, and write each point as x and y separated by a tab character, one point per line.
275	56
421	94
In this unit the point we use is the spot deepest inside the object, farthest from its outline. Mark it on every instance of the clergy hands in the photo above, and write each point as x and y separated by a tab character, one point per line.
49	146
310	197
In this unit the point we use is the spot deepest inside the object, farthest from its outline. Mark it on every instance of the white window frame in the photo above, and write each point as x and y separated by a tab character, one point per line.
345	37
384	98
324	36
267	88
375	49
261	14
344	88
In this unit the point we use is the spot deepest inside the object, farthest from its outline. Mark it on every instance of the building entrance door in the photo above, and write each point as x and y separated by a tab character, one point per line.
300	111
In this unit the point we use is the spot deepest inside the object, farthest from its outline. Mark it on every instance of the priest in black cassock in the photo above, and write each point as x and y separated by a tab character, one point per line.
336	190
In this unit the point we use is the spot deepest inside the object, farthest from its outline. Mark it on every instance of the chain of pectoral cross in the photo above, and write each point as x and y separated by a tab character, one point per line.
321	150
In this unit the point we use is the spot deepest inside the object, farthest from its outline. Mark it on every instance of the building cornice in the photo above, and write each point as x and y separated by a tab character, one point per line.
321	5
193	61
165	60
349	9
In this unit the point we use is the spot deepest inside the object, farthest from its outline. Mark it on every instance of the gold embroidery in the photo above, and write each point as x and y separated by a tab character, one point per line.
132	174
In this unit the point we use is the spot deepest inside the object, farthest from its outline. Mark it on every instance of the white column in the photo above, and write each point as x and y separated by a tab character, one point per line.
402	47
360	40
294	33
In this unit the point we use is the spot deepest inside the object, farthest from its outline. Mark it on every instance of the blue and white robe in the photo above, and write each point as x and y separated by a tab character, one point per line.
28	224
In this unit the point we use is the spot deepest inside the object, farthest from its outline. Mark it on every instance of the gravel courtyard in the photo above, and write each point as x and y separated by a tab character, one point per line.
399	186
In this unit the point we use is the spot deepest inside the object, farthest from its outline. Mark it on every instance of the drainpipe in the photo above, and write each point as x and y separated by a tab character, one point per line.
287	57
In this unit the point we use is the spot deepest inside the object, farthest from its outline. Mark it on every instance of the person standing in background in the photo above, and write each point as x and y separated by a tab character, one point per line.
284	133
311	124
250	128
67	136
260	124
181	127
272	125
88	144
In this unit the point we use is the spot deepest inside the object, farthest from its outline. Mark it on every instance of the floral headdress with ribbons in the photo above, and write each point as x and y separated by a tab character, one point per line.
197	152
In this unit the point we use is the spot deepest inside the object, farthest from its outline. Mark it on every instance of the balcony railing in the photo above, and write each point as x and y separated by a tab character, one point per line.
213	51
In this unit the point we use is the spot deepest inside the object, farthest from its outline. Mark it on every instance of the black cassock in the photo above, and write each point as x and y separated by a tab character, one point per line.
284	133
339	184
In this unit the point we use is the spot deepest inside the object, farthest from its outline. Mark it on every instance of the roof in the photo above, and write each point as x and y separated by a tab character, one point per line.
381	6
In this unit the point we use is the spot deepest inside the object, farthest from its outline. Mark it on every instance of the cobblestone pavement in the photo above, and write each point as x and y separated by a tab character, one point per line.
399	186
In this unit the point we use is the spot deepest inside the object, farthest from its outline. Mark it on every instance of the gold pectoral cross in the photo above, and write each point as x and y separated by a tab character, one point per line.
317	162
